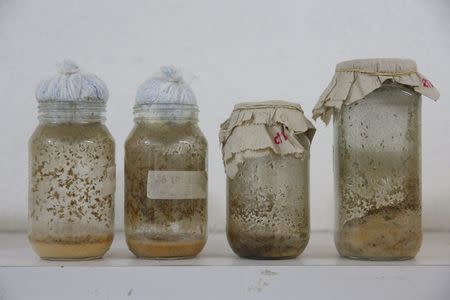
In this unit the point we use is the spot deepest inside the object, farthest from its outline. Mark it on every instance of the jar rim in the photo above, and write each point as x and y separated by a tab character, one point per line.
166	112
378	65
268	104
54	111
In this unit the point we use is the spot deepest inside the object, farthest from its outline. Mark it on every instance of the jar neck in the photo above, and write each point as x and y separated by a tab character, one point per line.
162	112
71	112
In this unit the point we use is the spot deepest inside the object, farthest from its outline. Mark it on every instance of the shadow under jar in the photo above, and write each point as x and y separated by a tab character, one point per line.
71	182
268	194
377	164
165	185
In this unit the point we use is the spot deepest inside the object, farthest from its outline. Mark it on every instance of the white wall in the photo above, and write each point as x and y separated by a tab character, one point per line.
240	50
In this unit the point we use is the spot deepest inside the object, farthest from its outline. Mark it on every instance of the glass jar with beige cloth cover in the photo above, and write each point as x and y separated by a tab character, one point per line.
376	108
266	148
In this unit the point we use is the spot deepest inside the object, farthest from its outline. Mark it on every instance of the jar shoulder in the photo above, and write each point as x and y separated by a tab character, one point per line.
72	133
159	135
393	94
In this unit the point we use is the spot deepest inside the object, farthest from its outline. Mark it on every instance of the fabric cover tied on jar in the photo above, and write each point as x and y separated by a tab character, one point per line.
255	129
70	84
166	95
166	86
355	79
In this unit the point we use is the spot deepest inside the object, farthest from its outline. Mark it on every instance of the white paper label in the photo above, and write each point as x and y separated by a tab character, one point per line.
177	185
109	184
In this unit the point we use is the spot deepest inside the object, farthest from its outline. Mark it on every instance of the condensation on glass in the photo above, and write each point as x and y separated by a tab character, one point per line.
71	170
377	163
266	155
166	172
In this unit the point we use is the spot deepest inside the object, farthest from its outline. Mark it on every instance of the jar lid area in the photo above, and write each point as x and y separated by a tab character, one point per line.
72	85
257	128
168	86
355	79
390	66
268	104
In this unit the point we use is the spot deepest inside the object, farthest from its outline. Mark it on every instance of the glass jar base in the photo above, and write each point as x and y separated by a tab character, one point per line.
71	259
267	247
70	251
265	255
165	257
158	249
269	257
368	258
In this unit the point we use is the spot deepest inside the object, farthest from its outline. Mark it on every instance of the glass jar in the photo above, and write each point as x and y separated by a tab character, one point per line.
377	152
377	166
267	182
71	180
165	180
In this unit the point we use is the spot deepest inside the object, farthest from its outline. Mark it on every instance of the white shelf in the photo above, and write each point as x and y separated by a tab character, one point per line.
218	274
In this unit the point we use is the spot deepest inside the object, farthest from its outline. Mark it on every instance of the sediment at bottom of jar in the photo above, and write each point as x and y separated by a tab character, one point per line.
80	248
257	246
392	234
165	249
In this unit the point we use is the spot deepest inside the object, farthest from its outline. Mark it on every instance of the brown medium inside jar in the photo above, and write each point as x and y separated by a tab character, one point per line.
268	207
72	180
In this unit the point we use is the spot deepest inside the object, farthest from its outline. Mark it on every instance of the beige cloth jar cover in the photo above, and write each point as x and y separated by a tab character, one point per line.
355	79
255	129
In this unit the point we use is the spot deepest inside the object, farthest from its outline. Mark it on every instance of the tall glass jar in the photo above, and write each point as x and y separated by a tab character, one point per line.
377	165
165	173
71	170
266	155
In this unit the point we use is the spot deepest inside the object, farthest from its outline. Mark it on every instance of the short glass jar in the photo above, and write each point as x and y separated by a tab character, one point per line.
377	163
166	180
71	182
266	154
